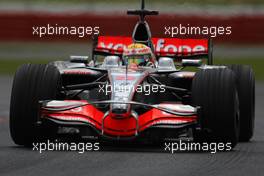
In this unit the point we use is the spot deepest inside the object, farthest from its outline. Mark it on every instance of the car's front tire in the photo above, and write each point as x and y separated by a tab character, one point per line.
246	93
31	84
214	90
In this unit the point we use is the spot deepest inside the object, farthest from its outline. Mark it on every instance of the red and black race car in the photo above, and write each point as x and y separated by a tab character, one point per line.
135	88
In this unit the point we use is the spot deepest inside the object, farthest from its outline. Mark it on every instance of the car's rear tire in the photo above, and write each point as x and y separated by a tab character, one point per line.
214	90
31	84
246	93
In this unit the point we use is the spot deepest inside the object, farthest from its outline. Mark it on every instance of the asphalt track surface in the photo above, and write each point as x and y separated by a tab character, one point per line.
246	159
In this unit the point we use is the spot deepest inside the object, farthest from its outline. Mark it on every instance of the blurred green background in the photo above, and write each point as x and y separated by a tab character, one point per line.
151	1
16	52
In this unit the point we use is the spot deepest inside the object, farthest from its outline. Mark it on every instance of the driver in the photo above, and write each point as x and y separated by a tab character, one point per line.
138	54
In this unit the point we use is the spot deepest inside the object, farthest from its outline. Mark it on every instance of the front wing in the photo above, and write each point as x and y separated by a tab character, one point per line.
85	113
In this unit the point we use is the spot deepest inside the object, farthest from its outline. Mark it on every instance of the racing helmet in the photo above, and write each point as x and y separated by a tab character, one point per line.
138	54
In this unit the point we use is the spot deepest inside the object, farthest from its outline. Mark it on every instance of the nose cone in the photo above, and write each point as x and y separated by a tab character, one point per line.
123	87
120	109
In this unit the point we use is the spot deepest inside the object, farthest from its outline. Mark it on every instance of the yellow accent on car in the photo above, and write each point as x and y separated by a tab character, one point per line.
136	46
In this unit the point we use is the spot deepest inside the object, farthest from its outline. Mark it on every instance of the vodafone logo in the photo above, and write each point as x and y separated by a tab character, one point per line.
112	46
161	45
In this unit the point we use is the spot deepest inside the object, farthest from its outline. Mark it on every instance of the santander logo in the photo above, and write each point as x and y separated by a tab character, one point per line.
161	45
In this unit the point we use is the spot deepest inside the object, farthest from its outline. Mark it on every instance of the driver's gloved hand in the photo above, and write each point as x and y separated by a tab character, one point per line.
149	64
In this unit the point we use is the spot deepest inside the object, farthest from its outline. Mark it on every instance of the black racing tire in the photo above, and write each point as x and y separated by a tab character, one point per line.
214	91
31	84
245	80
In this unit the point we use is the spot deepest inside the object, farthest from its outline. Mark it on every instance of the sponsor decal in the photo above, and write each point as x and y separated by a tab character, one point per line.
76	72
163	46
186	74
178	108
72	118
176	121
125	77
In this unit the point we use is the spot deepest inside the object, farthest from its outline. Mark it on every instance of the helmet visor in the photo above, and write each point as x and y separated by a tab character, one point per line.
138	60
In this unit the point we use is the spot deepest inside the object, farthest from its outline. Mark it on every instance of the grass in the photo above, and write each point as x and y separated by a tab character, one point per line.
9	66
256	63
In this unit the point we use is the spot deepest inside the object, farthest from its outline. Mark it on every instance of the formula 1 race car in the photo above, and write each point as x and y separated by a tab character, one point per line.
135	88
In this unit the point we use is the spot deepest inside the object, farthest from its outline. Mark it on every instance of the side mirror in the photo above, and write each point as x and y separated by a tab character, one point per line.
79	59
192	62
166	63
112	61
